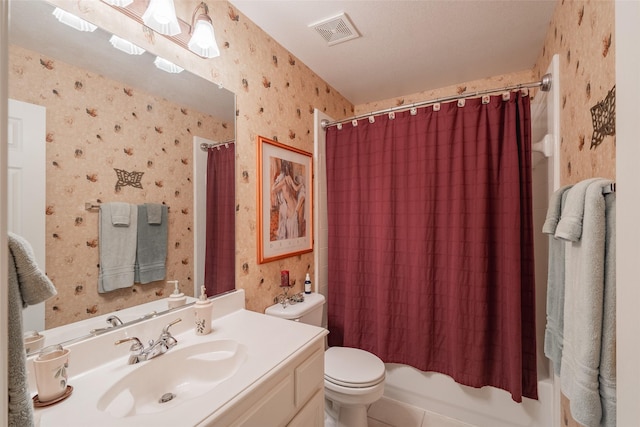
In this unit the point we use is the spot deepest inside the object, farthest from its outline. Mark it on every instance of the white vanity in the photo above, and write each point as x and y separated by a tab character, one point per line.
251	370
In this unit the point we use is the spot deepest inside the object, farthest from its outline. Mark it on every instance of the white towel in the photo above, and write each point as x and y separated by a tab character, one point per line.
553	335
120	214
117	250
607	378
570	225
583	304
27	284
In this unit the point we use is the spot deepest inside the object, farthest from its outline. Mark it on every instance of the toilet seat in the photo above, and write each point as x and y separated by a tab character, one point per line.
352	367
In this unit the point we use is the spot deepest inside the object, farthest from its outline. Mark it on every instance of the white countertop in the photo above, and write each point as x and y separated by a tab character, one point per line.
269	342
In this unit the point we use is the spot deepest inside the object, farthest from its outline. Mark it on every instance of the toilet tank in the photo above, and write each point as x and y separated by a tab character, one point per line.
308	311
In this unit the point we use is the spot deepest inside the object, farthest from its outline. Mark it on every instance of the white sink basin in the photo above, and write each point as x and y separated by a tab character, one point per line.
173	378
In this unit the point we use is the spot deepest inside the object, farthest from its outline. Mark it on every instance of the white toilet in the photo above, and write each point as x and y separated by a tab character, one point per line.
353	378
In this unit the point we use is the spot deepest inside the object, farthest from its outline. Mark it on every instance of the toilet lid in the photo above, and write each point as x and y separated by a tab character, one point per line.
352	367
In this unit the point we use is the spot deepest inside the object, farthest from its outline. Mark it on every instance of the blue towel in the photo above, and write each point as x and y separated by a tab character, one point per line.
154	213
151	253
553	335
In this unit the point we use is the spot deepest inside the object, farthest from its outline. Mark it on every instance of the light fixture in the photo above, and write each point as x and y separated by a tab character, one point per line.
167	66
73	21
160	16
125	45
119	3
203	39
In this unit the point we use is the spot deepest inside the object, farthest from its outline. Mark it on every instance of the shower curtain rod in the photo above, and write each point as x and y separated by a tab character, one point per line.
204	146
544	84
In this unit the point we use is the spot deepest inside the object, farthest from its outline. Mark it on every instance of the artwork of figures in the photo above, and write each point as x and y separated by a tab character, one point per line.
284	201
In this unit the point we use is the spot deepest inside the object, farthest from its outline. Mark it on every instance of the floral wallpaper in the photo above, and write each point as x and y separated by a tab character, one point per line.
582	33
96	128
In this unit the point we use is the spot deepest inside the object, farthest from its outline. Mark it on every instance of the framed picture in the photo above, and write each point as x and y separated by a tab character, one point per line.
284	201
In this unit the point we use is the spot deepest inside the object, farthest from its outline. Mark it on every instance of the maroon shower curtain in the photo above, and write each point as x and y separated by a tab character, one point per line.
431	243
219	269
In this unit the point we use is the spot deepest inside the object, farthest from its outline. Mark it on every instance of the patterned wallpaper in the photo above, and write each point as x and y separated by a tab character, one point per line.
459	89
93	126
582	33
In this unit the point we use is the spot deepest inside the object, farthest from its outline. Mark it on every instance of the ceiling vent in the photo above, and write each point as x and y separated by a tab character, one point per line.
336	30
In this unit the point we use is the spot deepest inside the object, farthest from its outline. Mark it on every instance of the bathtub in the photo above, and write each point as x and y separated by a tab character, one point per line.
483	407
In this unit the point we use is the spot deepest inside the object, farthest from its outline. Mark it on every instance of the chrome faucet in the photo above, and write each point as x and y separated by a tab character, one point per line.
112	320
156	348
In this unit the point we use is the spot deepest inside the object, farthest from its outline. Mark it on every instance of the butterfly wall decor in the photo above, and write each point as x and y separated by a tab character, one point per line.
603	117
125	178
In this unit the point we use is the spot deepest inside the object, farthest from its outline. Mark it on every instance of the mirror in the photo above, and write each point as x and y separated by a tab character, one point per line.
108	111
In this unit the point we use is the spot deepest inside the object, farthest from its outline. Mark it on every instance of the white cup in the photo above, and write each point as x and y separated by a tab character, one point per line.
33	341
50	369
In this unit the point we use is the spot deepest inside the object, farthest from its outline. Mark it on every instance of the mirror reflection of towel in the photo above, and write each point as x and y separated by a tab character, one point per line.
117	250
154	213
120	214
151	254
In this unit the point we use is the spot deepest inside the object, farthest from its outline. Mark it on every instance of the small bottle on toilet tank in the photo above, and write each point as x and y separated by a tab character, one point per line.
307	284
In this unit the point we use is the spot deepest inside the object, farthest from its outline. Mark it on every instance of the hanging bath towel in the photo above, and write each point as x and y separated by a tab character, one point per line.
27	285
151	254
117	246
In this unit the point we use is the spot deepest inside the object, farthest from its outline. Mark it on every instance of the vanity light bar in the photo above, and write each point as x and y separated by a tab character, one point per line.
137	8
167	66
125	46
73	21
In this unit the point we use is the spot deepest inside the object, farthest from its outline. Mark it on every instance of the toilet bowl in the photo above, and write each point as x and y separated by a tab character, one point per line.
353	378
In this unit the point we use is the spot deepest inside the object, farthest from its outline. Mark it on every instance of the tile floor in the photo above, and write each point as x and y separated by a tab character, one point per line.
392	413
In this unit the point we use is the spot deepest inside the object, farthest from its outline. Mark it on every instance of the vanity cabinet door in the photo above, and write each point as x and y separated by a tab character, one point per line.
273	409
312	414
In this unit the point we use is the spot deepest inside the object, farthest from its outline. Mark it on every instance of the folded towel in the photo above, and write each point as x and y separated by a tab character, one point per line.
154	213
553	335
151	253
117	250
26	285
584	307
570	225
554	210
120	213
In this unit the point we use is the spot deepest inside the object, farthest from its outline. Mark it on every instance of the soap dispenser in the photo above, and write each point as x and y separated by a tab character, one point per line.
177	298
202	311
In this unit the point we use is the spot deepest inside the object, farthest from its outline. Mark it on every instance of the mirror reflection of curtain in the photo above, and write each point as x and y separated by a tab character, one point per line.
219	270
431	241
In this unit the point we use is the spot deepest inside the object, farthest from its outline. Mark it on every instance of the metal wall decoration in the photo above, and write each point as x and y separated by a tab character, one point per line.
603	117
128	178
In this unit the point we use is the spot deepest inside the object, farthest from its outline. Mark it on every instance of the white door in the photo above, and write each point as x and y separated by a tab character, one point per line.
26	182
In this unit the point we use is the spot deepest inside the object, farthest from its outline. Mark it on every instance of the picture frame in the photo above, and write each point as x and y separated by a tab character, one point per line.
284	201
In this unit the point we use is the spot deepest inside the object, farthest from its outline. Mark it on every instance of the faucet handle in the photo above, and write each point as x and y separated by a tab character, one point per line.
165	330
136	346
